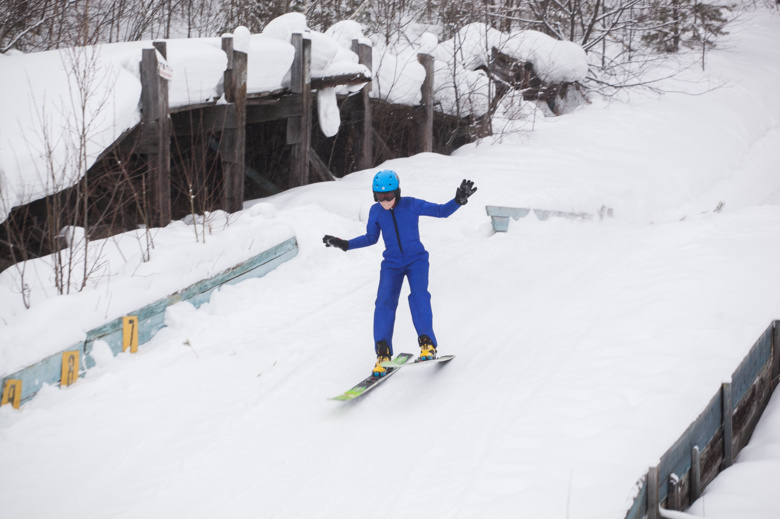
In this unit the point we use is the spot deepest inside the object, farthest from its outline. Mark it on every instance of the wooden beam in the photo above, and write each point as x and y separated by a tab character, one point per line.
653	504
318	83
299	128
727	424
383	147
232	147
273	110
695	476
320	167
363	115
155	135
426	121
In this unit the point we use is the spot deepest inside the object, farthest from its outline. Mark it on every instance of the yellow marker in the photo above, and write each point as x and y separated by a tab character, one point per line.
70	368
12	394
130	333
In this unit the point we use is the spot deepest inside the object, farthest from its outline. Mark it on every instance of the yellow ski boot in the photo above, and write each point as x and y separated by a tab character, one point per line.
427	349
383	354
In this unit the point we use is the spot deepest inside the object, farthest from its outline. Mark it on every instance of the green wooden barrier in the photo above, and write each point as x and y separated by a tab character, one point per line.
151	318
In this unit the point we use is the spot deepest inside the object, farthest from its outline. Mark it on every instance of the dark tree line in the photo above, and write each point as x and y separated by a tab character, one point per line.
660	25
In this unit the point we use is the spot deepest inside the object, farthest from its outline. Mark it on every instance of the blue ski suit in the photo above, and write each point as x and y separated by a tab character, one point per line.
404	255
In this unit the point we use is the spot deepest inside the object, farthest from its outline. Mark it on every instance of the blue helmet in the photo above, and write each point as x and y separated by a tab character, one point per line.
385	181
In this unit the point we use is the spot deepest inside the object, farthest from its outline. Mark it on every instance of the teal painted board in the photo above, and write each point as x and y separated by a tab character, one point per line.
239	270
513	212
639	509
501	215
748	370
47	371
262	270
501	223
677	459
110	332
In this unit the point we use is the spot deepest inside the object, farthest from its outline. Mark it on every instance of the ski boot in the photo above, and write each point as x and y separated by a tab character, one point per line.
427	349
383	354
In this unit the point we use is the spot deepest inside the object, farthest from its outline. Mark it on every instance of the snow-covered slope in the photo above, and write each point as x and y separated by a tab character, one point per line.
583	348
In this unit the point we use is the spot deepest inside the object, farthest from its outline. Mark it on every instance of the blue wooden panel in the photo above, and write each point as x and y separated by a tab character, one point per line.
500	223
111	333
47	371
500	215
677	459
639	508
242	269
751	366
513	212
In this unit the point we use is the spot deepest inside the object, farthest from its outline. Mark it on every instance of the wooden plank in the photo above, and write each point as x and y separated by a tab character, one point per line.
501	215
727	424
155	135
695	477
513	212
673	492
639	507
282	108
747	371
319	166
203	120
47	371
677	459
318	83
653	499
232	146
425	128
299	128
364	129
382	145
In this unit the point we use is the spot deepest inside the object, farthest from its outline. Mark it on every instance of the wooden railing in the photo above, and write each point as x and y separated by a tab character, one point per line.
710	444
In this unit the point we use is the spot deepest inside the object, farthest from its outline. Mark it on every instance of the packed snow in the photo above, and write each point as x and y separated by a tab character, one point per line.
584	348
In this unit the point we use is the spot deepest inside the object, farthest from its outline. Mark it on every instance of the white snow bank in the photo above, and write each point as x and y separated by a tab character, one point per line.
49	99
175	261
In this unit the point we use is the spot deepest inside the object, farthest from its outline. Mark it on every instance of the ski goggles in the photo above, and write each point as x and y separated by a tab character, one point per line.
384	197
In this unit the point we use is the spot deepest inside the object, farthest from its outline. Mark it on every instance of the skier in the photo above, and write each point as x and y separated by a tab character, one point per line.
397	220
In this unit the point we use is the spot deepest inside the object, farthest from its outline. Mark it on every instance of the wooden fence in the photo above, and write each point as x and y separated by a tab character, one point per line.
710	444
135	329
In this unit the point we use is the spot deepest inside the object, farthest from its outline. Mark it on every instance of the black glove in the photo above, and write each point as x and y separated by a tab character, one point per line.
465	190
332	241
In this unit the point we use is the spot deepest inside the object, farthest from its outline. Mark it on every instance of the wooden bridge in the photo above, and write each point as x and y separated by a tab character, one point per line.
159	123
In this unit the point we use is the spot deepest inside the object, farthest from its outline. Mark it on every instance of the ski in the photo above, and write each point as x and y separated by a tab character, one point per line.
416	362
370	382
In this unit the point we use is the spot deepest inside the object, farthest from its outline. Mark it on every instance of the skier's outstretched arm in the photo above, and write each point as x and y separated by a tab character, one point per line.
462	195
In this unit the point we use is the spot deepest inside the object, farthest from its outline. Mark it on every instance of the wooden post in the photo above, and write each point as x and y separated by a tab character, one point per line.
653	505
363	115
673	492
232	147
695	474
156	134
299	128
426	121
727	424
